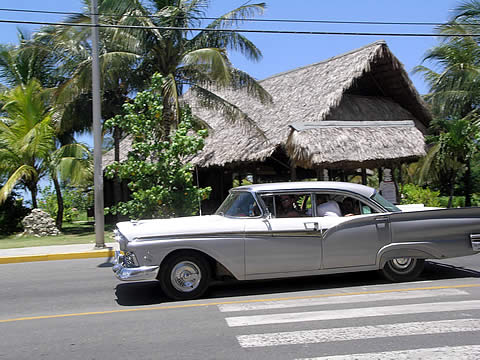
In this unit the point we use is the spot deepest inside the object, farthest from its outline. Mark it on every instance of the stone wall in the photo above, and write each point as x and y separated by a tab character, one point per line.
39	223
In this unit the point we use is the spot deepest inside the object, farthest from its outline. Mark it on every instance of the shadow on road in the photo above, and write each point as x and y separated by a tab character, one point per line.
149	293
140	293
108	262
437	271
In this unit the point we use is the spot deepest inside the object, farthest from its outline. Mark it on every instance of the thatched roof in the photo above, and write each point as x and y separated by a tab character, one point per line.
367	84
324	115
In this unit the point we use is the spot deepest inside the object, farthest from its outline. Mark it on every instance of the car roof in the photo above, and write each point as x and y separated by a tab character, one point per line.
309	186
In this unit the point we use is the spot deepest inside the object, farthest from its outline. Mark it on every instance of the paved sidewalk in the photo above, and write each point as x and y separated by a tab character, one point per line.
56	252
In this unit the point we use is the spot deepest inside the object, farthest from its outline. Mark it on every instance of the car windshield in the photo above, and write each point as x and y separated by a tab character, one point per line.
239	204
385	203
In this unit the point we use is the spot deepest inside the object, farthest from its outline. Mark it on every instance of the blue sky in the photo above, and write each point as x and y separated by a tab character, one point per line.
285	52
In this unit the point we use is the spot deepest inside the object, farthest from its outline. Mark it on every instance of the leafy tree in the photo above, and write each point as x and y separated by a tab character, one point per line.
160	180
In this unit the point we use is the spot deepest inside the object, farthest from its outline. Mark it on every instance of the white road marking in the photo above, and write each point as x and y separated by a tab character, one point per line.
283	304
358	333
440	353
352	313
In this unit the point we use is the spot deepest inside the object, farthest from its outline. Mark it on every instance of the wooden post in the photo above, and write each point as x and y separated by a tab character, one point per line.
293	173
364	176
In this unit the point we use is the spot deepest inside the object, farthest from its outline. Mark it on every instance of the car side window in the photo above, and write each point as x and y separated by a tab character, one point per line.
292	205
328	204
351	206
288	205
239	204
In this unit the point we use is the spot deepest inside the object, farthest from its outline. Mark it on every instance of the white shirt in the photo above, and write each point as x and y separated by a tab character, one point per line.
329	208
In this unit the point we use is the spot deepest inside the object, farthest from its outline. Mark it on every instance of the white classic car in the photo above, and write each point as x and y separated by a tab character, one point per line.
292	229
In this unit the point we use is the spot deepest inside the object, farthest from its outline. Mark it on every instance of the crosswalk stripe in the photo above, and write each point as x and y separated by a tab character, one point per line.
439	353
283	304
352	313
358	333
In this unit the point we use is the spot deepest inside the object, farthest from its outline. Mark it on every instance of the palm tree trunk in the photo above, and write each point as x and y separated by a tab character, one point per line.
117	196
468	184
450	197
33	191
58	191
167	118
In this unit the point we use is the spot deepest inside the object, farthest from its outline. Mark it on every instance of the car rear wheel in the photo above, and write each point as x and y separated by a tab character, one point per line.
403	269
184	276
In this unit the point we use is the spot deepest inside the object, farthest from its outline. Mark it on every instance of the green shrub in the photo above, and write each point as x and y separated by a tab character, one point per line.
475	199
76	201
414	194
457	201
12	212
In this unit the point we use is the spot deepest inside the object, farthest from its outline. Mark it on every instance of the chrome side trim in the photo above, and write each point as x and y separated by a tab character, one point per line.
475	240
124	273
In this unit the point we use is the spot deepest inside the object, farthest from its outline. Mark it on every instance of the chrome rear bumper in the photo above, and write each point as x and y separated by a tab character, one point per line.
124	273
475	240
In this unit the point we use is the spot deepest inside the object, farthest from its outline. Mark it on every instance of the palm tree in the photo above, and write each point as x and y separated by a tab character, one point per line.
28	147
455	93
71	163
450	156
186	59
24	62
73	93
26	139
454	90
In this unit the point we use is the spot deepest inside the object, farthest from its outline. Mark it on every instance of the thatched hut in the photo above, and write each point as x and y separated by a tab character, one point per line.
355	110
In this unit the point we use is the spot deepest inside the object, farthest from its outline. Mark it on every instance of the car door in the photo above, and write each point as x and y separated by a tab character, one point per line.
280	245
354	241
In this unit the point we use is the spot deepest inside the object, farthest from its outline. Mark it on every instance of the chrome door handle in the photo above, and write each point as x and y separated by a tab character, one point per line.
382	219
312	226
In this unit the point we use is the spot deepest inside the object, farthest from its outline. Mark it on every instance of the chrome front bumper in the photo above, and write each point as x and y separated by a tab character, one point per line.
125	273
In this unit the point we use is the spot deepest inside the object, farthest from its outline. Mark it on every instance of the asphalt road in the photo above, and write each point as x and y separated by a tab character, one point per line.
76	309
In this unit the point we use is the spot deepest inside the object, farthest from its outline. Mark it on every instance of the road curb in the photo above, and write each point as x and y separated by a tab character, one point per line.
107	253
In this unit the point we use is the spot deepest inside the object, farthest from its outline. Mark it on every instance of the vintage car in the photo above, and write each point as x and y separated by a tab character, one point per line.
277	230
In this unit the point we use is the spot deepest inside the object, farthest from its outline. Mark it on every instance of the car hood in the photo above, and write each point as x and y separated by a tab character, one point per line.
191	225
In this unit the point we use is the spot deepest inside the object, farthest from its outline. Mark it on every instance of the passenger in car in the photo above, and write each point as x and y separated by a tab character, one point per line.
287	208
350	207
326	207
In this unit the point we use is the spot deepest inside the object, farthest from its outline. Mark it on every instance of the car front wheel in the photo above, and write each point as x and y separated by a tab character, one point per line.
184	276
403	269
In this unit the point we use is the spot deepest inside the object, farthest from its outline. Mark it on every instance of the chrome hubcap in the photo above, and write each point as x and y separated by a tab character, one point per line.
185	276
401	264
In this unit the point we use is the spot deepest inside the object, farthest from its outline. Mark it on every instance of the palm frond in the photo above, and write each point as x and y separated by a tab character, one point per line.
215	63
238	16
25	172
231	112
